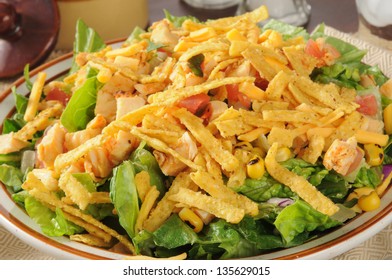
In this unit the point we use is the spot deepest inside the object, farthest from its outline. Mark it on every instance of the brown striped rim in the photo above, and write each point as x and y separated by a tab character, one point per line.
46	240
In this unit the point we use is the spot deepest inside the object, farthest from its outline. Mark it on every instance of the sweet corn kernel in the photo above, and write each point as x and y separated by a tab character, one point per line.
104	75
374	154
283	154
244	145
369	202
387	114
255	168
187	215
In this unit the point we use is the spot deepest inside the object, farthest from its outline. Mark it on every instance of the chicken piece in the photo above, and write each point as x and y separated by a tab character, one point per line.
340	155
10	144
51	146
161	34
128	104
94	127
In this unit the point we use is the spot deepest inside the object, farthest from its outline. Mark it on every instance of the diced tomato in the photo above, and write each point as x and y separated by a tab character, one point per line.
368	104
206	115
237	98
261	82
59	95
313	49
195	103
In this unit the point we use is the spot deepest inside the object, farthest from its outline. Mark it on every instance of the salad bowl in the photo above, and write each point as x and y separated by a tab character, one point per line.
327	245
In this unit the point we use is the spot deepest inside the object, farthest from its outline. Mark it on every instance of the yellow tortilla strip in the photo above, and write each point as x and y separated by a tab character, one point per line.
148	203
171	96
208	183
226	159
298	184
215	206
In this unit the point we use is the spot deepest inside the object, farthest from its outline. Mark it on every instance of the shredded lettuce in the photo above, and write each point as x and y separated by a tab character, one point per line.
178	21
11	176
288	31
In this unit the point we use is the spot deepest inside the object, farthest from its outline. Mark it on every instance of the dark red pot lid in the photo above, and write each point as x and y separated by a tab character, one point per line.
28	33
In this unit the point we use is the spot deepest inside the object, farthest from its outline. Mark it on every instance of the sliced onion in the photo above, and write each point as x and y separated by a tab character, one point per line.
281	202
28	160
386	170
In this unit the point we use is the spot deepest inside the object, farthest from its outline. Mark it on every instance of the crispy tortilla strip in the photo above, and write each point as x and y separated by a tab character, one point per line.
171	96
314	149
194	124
163	147
91	240
141	257
148	203
40	122
99	198
221	66
256	58
298	184
208	46
291	116
277	85
229	23
351	124
231	123
34	98
300	61
74	190
142	182
165	206
212	205
51	199
64	160
252	135
285	137
328	94
217	190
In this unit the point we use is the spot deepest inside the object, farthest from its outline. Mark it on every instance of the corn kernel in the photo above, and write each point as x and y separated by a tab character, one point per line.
369	202
374	154
283	154
387	114
187	215
255	168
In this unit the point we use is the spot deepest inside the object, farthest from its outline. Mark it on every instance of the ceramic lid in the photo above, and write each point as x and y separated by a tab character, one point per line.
28	33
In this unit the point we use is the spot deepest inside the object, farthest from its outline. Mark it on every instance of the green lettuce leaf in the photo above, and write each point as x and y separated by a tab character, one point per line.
51	223
368	177
123	194
142	159
299	218
288	31
262	189
86	40
11	177
178	21
80	108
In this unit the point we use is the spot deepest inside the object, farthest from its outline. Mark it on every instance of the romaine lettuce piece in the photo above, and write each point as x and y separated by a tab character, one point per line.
123	194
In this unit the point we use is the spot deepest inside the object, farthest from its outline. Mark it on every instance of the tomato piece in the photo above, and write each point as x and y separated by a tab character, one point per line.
195	103
236	98
261	82
368	104
59	95
313	49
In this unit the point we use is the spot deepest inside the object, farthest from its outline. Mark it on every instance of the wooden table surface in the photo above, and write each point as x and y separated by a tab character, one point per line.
340	14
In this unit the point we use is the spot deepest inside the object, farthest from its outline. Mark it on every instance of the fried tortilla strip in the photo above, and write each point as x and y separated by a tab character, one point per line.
74	190
277	85
163	147
212	205
165	206
52	200
40	122
291	116
194	124
217	190
298	184
314	149
300	61
64	160
171	96
351	124
208	46
148	203
91	240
